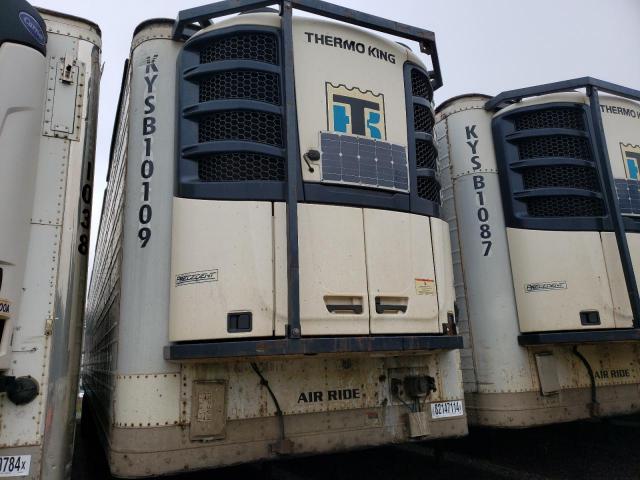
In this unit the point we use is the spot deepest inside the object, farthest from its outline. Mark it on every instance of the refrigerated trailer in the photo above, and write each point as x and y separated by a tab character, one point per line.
272	275
49	78
542	195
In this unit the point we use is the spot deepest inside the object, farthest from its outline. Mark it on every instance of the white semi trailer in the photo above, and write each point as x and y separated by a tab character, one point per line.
272	275
541	191
49	78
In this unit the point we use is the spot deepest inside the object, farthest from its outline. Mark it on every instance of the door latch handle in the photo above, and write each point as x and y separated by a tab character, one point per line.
333	308
389	307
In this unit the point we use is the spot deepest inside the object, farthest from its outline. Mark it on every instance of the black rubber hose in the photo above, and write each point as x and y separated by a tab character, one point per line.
265	383
594	400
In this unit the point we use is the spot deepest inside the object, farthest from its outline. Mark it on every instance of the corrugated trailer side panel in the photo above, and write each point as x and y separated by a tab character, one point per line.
449	214
103	307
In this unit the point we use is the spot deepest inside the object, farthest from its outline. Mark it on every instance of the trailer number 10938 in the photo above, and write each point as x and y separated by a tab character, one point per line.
15	465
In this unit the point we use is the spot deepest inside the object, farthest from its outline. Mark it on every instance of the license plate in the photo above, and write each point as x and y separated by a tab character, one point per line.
447	409
15	465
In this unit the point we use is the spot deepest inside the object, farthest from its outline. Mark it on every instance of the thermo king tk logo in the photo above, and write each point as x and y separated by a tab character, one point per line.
352	111
631	156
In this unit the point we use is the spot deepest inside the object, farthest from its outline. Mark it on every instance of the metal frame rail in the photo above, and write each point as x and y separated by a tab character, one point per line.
599	146
188	23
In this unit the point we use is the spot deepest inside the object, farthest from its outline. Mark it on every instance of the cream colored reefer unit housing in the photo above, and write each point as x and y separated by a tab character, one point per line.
541	192
49	79
272	274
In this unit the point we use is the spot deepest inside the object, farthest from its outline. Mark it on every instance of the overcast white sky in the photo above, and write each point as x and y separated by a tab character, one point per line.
484	46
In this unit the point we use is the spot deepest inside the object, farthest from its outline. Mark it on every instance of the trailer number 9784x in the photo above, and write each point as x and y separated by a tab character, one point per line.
15	465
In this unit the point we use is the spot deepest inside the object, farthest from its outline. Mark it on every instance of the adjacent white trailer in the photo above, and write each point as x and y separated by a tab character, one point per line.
272	275
541	192
49	78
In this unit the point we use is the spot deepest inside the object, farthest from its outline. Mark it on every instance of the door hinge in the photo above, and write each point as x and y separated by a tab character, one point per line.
48	327
67	69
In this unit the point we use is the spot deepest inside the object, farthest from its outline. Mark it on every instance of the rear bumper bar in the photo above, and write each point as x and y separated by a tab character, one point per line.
578	337
178	352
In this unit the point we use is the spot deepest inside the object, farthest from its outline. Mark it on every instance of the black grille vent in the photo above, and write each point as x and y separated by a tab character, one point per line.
423	120
243	125
241	84
551	175
420	85
426	155
429	189
261	47
561	176
241	166
564	206
555	118
563	146
234	76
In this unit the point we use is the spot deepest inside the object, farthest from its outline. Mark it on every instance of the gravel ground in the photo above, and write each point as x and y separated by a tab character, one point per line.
582	450
606	449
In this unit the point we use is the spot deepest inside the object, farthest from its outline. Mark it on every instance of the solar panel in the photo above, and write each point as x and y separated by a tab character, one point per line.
628	192
364	162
